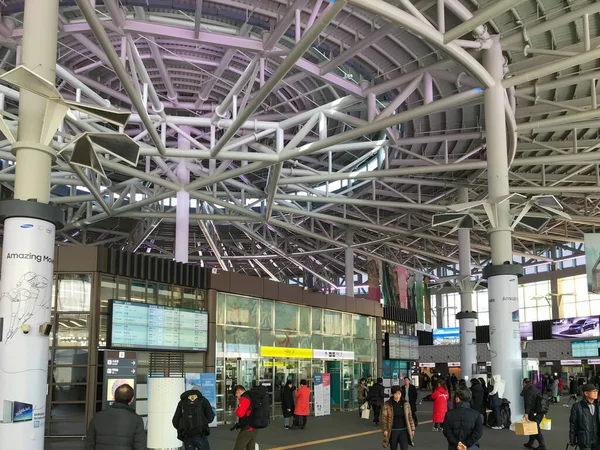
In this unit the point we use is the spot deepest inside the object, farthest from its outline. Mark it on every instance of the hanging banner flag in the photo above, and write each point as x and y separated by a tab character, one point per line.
373	277
427	299
419	291
403	286
412	302
318	393
326	394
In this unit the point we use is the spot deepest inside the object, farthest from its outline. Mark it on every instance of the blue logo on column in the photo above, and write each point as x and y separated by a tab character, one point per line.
27	225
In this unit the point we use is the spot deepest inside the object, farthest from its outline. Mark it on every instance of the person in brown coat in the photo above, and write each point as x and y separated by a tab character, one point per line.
397	422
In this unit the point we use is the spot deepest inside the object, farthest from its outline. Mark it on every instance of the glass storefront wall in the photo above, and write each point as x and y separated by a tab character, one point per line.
247	324
78	308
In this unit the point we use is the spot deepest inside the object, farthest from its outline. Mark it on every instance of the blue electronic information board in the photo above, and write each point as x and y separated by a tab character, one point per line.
584	349
446	336
155	327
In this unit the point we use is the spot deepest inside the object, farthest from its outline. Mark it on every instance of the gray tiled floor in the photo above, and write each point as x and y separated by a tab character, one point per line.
341	424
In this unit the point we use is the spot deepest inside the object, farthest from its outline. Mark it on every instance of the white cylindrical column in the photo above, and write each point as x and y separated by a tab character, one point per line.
27	271
349	264
502	274
182	214
28	251
163	397
467	316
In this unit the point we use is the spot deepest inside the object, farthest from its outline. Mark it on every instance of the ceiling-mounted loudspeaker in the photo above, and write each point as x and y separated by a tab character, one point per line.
534	223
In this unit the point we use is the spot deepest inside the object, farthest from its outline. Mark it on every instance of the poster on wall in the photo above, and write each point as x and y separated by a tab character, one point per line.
591	242
575	327
318	393
208	386
120	369
326	394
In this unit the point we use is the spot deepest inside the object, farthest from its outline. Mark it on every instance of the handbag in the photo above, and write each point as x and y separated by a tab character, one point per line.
546	424
366	413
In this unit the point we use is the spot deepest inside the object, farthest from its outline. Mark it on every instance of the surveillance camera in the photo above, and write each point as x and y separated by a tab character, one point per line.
45	329
25	328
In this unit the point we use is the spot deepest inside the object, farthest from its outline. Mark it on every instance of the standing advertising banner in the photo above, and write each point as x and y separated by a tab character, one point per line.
25	304
208	387
326	394
318	393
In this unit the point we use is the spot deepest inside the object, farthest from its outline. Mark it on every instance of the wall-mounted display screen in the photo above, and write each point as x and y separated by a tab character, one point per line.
585	349
575	327
155	327
402	347
526	331
446	336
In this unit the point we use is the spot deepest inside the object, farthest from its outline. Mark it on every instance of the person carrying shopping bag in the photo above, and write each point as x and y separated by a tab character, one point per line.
397	422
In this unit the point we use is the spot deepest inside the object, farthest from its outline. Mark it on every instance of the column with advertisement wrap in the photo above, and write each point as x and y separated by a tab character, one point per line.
505	334
25	303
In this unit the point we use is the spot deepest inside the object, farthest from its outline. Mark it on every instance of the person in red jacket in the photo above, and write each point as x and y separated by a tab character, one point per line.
246	439
440	405
302	409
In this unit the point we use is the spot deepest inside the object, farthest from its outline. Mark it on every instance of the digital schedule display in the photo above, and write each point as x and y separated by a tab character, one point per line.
155	327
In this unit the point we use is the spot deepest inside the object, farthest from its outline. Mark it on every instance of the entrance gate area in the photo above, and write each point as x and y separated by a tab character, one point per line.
274	372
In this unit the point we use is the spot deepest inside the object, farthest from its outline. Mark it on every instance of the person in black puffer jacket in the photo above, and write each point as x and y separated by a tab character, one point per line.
584	422
530	401
118	427
478	402
463	426
375	398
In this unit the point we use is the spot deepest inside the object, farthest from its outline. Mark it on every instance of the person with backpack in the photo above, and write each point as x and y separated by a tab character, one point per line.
253	413
302	409
584	423
375	399
536	406
192	418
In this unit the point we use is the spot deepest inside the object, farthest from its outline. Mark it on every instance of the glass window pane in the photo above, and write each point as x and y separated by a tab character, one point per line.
286	317
221	302
317	341
347	323
317	320
123	289
569	310
72	393
287	340
72	330
332	343
69	375
267	338
583	309
266	314
74	292
595	308
103	330
63	356
544	313
242	311
362	326
151	293
138	291
241	340
108	291
164	294
304	327
333	323
189	299
177	299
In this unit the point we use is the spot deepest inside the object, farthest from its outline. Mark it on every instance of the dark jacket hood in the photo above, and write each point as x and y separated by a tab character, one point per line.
186	394
529	387
123	406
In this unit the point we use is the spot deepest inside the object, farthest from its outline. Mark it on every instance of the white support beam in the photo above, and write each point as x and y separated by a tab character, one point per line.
356	48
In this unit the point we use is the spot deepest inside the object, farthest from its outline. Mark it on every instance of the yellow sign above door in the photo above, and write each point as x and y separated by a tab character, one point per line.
283	352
